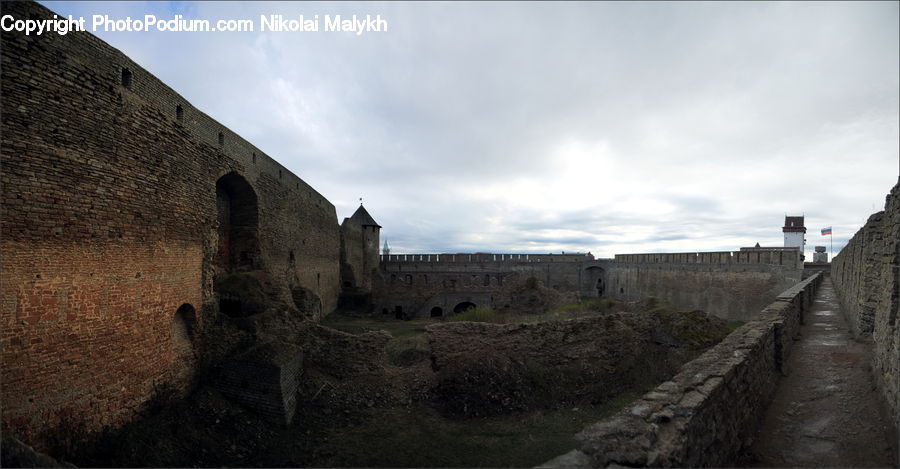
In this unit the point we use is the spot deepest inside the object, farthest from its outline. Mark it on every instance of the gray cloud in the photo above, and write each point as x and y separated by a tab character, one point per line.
533	126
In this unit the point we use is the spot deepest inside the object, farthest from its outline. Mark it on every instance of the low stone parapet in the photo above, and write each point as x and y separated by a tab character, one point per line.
707	413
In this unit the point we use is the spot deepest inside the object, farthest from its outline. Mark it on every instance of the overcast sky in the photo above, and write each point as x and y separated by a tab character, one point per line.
546	127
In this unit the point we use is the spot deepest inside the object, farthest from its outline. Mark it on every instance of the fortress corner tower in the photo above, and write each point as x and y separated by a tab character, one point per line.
359	250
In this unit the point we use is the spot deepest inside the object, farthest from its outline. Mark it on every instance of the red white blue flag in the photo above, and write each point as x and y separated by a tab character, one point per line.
826	231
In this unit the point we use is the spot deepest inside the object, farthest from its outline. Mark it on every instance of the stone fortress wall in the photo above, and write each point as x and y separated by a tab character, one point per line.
729	387
422	285
732	285
121	204
705	415
866	278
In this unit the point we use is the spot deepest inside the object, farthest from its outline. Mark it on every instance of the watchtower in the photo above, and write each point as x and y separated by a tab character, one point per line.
794	233
359	249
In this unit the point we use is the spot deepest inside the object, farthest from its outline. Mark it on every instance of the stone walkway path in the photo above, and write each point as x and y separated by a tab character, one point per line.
826	412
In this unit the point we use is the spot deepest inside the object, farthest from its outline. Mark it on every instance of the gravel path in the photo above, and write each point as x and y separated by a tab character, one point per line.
827	412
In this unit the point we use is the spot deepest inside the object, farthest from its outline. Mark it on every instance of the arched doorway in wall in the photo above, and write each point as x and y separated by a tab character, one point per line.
463	306
437	312
596	279
184	326
238	223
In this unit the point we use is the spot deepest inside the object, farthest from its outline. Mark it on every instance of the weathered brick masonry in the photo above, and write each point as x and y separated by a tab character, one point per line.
865	275
113	232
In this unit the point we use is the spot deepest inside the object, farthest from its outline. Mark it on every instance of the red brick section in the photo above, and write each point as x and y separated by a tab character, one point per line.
109	225
88	330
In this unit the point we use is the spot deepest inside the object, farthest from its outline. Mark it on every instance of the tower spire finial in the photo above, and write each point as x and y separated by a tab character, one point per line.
360	201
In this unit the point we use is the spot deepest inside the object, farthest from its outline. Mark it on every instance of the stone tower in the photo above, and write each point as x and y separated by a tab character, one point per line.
794	233
359	250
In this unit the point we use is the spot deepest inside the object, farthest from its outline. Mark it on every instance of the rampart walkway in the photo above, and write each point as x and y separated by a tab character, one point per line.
826	412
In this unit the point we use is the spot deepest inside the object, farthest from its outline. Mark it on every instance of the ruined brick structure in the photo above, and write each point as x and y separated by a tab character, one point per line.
865	275
122	207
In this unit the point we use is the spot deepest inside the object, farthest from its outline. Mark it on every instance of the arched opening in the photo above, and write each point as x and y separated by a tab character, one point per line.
398	312
465	305
238	222
437	312
595	279
183	329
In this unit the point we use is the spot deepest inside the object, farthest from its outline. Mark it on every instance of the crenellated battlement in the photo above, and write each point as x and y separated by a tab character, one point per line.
767	256
488	257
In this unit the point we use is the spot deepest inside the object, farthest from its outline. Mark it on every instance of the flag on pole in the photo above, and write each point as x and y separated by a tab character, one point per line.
826	231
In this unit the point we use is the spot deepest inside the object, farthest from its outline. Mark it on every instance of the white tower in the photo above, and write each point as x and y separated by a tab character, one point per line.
794	233
386	250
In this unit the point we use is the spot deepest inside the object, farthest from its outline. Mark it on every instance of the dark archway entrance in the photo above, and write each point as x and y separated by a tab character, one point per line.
183	330
437	312
596	279
465	305
238	218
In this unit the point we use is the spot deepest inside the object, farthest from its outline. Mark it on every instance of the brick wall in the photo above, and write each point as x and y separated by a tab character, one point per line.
352	274
109	226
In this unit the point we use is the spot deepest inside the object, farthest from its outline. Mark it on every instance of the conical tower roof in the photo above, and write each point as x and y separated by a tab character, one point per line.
362	217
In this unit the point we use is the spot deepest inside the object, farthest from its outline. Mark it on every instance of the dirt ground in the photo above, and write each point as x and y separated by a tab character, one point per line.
827	412
333	430
393	416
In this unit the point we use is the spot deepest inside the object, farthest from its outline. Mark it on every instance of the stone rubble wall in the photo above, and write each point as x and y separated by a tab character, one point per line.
707	413
264	378
487	369
341	354
865	276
